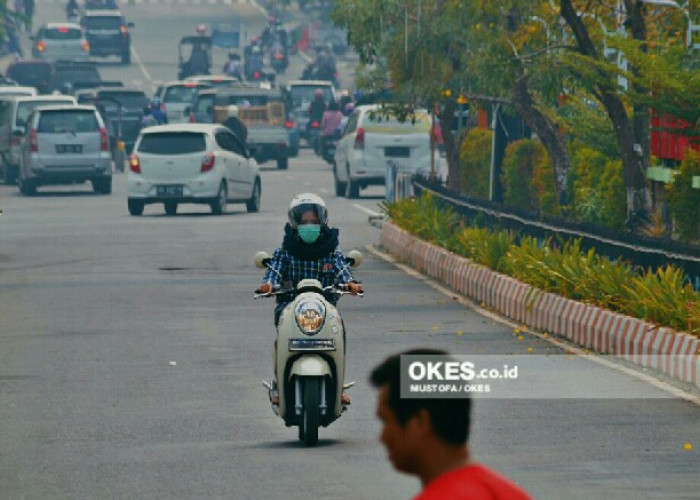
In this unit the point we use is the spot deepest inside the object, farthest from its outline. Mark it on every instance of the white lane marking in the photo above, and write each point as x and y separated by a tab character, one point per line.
664	386
141	66
366	210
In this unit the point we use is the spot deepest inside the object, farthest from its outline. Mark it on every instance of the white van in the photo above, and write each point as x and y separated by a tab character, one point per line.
370	139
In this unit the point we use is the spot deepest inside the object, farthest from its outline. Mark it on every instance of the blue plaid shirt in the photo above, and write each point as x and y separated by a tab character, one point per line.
328	270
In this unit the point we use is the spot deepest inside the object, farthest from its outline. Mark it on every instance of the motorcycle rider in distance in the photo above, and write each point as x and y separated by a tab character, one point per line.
233	66
309	251
72	10
316	110
329	123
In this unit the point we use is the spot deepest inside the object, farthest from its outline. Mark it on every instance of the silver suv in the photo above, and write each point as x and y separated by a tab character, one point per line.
65	145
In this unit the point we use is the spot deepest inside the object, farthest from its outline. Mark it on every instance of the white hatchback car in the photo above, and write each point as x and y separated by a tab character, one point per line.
192	163
370	140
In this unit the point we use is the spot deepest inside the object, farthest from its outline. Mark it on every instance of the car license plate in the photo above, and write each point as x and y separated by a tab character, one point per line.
397	152
69	148
169	190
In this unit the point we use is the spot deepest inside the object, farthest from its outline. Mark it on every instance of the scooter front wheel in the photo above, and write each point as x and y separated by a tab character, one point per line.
308	426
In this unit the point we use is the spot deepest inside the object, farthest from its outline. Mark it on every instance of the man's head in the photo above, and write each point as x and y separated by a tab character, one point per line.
232	110
409	424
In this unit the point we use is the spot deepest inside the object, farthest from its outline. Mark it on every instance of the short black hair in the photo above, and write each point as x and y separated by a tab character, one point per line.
450	417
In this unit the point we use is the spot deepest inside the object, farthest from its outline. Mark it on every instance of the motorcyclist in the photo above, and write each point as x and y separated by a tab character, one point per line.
72	10
316	110
235	125
233	66
325	67
329	123
309	251
157	113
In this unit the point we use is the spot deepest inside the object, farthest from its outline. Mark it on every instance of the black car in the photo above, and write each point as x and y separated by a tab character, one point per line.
107	32
123	108
39	74
66	74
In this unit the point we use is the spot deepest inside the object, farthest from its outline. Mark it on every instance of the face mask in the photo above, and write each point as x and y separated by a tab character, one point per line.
309	232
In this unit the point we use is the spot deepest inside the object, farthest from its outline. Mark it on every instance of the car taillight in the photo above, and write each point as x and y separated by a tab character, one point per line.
279	56
360	139
289	124
104	140
134	164
33	141
41	46
256	74
86	46
123	30
314	125
191	117
208	162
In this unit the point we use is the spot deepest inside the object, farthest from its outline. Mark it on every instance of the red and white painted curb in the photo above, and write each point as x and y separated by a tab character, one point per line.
673	353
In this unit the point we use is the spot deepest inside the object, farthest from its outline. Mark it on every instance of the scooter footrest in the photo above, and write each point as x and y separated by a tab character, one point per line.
348	385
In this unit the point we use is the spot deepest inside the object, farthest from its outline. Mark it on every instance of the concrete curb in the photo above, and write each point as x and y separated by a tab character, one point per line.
675	354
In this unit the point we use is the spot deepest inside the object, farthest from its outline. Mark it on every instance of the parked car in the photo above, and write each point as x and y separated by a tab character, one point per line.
36	73
107	32
370	139
17	90
60	42
14	112
176	97
65	145
192	163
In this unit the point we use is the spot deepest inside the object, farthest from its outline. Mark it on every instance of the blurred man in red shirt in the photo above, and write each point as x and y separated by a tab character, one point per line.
428	438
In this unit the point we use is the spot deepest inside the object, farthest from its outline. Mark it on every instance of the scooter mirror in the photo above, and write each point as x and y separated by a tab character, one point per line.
356	258
261	259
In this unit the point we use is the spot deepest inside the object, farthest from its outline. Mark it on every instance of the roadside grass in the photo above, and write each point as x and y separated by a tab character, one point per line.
663	296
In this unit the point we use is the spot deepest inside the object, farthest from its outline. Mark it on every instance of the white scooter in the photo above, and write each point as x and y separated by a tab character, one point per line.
309	355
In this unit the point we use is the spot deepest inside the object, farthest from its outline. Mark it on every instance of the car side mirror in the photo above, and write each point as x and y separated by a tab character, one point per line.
130	25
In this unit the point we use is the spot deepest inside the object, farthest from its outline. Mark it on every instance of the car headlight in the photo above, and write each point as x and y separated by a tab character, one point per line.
310	315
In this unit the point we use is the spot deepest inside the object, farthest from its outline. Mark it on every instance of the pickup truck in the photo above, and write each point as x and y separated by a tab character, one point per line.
262	112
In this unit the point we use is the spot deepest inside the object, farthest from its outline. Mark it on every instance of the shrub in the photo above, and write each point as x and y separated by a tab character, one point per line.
684	201
475	163
518	165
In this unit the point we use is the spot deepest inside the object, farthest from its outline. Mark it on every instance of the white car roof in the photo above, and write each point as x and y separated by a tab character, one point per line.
18	88
58	97
63	25
102	13
206	128
80	107
310	83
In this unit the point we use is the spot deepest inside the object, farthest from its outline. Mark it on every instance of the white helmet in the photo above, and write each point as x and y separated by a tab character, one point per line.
303	203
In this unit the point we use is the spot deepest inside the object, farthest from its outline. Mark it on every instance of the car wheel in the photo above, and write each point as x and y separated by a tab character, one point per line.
135	207
170	207
282	163
218	205
253	204
339	186
352	189
26	186
103	186
126	56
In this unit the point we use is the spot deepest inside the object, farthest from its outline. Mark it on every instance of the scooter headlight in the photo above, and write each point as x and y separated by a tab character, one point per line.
310	315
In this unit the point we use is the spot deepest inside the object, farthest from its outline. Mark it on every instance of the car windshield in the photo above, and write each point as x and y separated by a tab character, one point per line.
180	93
103	23
305	93
28	73
61	121
24	109
64	76
418	123
173	143
130	101
62	34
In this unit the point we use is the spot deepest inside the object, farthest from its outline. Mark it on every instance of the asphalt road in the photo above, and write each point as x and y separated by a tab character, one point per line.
132	351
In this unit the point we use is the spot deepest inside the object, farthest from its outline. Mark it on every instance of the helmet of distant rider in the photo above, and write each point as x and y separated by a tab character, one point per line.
253	40
201	29
272	20
305	202
318	94
349	108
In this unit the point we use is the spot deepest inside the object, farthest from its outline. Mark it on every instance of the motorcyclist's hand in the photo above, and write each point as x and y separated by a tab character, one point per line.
264	288
354	288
